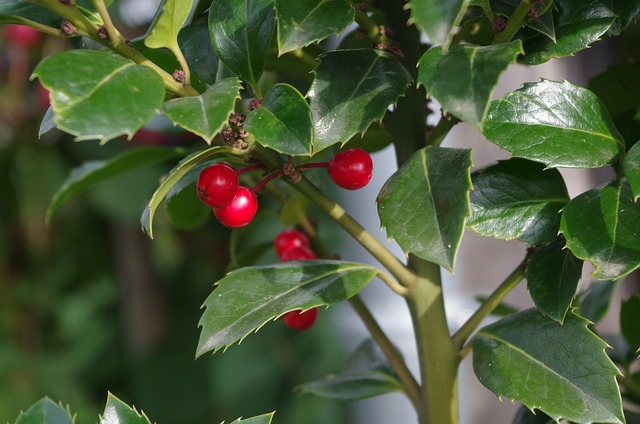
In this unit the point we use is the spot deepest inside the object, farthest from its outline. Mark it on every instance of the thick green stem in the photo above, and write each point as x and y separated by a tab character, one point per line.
438	357
516	21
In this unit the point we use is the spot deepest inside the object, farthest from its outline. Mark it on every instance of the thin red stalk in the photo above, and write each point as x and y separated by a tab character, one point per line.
264	182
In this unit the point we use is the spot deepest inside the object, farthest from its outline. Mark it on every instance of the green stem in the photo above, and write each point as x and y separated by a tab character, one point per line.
114	34
370	28
305	58
392	354
516	21
463	334
392	284
183	64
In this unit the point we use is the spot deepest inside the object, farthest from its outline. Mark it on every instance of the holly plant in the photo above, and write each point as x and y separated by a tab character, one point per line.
272	94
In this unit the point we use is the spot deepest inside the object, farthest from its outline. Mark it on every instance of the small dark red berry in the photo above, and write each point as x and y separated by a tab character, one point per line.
290	238
299	320
297	253
351	168
240	211
217	185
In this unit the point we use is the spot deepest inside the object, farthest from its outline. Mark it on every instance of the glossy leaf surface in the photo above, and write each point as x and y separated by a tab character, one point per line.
630	321
626	12
98	94
602	226
195	43
118	412
463	79
424	205
302	22
248	298
241	31
517	199
556	123
283	122
261	419
437	18
164	30
352	89
553	274
45	411
631	166
207	114
532	359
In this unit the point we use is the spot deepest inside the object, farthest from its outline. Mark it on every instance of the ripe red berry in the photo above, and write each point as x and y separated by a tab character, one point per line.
351	168
297	253
288	239
299	320
240	211
217	185
22	35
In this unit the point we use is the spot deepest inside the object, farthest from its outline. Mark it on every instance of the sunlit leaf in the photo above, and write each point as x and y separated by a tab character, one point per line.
437	19
118	412
261	419
164	30
45	411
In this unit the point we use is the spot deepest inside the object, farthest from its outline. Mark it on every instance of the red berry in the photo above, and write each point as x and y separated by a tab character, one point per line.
288	239
351	168
22	35
299	320
217	185
297	253
240	211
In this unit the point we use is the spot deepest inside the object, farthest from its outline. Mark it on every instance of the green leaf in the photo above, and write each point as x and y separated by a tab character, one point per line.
174	176
517	199
556	123
261	419
167	24
631	166
195	43
352	89
630	321
525	416
618	88
374	139
45	411
437	19
602	226
91	173
294	209
302	22
366	374
424	205
207	114
186	210
532	359
463	79
595	302
241	31
248	298
21	12
578	25
626	12
553	274
118	412
97	94
543	24
283	122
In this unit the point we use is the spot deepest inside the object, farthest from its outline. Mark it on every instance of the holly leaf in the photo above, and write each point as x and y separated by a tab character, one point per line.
626	12
352	89
556	123
195	43
553	274
45	411
517	199
21	12
437	19
602	226
283	122
97	94
207	114
631	166
241	31
302	22
118	412
532	359
261	419
462	80
630	321
595	301
578	25
424	205
248	298
165	28
618	88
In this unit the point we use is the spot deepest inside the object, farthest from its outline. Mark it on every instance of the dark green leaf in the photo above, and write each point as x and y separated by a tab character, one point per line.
21	12
248	298
631	166
186	210
367	374
596	300
502	310
195	43
262	419
630	321
437	18
463	79
578	25
525	416
294	209
45	411
517	199
626	12
302	22
241	31
532	359
602	226
118	412
553	274
207	114
425	203
91	173
97	94
352	89
556	123
174	176
164	30
374	139
618	88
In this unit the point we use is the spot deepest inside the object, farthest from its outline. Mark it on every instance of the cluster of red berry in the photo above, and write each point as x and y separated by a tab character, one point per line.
235	205
294	245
